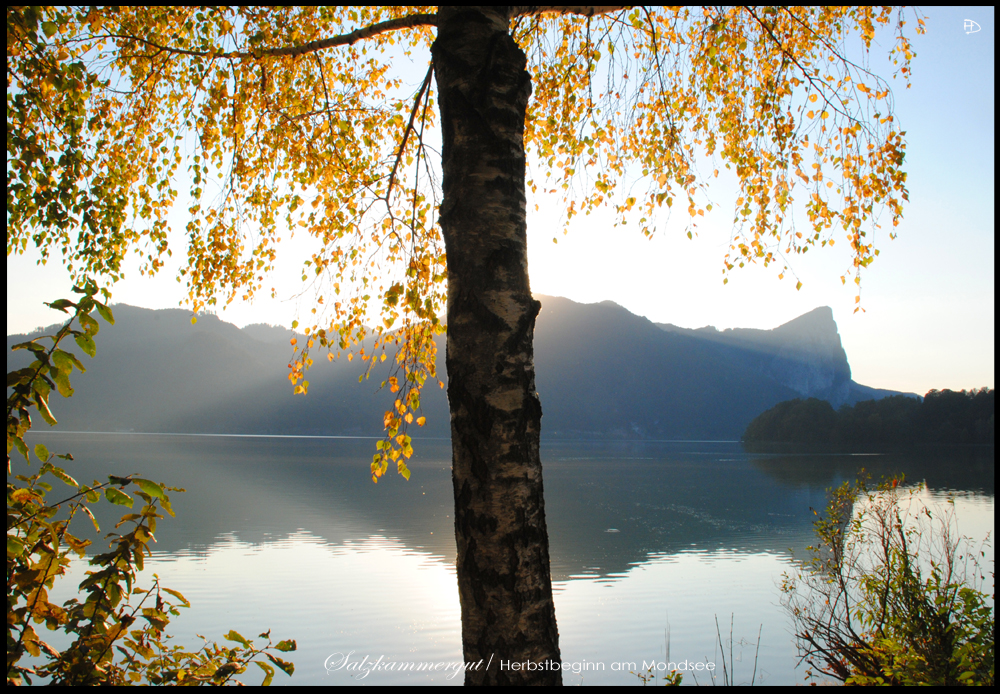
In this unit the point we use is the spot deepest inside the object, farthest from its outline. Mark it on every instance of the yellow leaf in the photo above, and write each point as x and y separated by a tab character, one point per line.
22	495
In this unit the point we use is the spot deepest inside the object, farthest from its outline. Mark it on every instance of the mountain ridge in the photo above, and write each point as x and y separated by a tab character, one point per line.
601	372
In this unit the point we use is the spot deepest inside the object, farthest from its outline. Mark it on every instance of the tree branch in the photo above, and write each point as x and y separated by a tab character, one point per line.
406	133
584	10
412	20
311	47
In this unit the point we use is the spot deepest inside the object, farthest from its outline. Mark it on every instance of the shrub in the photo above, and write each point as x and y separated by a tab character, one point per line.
114	641
890	595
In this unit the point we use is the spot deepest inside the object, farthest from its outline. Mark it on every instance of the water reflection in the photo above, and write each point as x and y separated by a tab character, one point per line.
292	535
375	596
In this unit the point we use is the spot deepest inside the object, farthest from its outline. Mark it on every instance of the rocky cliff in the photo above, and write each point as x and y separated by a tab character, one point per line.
805	354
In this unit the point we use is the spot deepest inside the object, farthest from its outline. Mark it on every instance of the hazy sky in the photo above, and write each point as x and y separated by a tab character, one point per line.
929	296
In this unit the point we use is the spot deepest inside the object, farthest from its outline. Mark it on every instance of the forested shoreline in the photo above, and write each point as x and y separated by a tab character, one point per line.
943	416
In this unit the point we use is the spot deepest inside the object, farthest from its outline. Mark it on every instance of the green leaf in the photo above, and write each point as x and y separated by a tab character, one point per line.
31	345
269	673
15	378
62	305
105	313
42	453
286	667
157	618
50	28
43	408
21	447
226	671
62	383
233	635
165	505
286	646
91	326
151	488
177	595
61	474
63	360
86	344
42	387
118	497
14	546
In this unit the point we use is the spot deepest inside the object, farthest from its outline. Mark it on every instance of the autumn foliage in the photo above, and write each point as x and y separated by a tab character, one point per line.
261	123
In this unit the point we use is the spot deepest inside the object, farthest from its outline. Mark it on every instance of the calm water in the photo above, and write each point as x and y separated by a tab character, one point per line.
649	542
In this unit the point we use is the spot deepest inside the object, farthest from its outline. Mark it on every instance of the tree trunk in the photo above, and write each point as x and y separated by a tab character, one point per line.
503	551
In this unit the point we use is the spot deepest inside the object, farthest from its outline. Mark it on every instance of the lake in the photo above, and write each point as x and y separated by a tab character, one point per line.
650	543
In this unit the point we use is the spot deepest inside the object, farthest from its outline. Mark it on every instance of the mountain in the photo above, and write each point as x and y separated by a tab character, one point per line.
804	354
601	372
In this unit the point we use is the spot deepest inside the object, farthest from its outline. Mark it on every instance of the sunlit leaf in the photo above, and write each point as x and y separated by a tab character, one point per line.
234	635
286	667
268	673
150	488
118	497
86	343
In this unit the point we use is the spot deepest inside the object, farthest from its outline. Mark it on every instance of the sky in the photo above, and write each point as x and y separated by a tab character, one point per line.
928	299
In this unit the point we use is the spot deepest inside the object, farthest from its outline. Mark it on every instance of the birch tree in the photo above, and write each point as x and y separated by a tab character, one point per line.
261	122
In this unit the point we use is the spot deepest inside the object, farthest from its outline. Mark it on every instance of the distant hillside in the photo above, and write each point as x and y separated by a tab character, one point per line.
943	416
601	372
